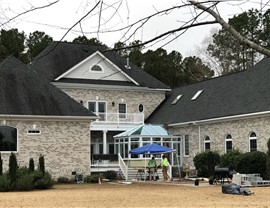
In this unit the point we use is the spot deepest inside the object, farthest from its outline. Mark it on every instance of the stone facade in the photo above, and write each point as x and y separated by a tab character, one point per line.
150	100
238	129
64	144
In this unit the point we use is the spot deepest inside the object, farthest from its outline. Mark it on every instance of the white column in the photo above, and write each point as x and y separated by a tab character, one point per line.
104	142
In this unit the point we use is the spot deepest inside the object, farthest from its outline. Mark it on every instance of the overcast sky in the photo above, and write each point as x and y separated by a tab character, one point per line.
59	17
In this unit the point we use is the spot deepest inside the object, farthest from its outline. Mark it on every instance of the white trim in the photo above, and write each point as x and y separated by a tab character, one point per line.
228	140
221	119
62	85
252	138
49	118
102	57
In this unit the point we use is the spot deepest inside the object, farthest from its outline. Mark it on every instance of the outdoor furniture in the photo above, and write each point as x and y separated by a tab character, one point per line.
140	174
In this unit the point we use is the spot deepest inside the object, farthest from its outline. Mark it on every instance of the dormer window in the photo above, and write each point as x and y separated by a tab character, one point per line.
197	95
96	68
176	100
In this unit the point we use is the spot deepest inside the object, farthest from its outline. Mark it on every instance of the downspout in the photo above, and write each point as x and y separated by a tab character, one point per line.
199	135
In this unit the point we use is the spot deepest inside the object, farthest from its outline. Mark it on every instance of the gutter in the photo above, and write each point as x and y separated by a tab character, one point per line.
221	119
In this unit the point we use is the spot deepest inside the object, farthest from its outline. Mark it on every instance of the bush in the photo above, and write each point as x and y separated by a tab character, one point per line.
13	165
1	165
24	183
5	183
63	180
31	165
42	164
91	179
230	159
201	162
252	162
43	181
267	175
110	174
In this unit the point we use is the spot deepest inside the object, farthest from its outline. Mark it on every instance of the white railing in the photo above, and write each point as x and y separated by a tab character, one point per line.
119	118
123	166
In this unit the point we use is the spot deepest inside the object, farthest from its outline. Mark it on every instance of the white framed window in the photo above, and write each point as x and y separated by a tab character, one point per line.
207	143
96	68
228	143
122	110
186	145
33	132
99	108
252	142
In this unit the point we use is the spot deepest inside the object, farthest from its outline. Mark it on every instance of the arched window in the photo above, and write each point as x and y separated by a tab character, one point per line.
228	143
252	142
8	139
207	143
96	68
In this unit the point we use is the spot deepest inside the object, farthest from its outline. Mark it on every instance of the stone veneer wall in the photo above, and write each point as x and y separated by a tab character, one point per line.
64	144
133	99
239	130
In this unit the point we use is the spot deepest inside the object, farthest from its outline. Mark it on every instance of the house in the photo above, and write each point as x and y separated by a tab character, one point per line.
121	94
231	111
36	118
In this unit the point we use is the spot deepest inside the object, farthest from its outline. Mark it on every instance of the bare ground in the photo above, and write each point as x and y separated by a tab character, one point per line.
137	194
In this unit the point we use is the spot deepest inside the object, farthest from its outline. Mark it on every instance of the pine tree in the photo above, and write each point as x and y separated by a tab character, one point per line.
42	164
31	165
13	165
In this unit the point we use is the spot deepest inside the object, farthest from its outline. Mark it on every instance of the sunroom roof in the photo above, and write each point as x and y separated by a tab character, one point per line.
144	130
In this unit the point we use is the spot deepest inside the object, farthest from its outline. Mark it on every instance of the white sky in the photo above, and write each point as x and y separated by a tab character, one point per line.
56	19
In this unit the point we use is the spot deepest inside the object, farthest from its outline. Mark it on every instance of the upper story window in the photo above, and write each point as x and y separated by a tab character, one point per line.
186	145
207	143
141	107
98	108
122	110
252	142
8	139
33	132
96	68
228	143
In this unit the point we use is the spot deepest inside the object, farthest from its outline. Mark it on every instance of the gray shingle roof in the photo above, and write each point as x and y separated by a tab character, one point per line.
230	95
59	57
24	93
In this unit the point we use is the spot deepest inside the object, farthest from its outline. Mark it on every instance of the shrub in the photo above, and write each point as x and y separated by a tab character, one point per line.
1	165
13	165
42	181
252	162
110	174
31	165
41	164
201	162
5	183
91	179
24	183
63	180
230	159
267	175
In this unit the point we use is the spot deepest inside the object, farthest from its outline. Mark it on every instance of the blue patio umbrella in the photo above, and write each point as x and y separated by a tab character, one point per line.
151	149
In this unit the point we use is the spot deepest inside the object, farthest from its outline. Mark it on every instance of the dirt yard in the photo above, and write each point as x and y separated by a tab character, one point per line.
137	194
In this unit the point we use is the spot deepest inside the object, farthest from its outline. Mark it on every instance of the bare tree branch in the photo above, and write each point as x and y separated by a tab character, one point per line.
228	27
30	10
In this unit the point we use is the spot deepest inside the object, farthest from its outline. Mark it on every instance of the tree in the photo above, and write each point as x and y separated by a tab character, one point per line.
31	165
11	43
36	42
268	160
13	166
1	165
232	55
41	164
83	39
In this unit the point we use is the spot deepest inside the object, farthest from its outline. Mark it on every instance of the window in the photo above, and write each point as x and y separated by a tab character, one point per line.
96	68
228	143
207	145
196	95
186	145
141	107
176	100
33	132
8	138
252	142
98	108
122	110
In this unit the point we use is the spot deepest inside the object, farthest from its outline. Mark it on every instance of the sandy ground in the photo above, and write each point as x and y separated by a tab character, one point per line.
137	194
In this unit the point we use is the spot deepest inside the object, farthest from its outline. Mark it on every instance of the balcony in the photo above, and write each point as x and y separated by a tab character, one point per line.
121	121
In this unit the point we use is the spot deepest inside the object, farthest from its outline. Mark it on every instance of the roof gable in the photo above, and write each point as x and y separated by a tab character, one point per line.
59	57
106	70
